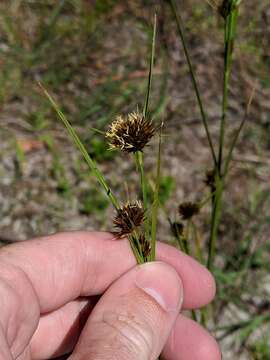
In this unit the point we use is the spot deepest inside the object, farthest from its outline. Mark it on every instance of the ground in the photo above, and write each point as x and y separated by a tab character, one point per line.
93	58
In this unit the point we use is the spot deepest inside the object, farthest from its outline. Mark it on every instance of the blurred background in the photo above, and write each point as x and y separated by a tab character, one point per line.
92	56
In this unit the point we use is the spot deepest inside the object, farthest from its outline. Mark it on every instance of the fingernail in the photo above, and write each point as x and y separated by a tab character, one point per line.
162	283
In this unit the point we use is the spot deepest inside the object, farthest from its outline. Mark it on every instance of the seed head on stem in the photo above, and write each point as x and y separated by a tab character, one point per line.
130	133
129	217
188	209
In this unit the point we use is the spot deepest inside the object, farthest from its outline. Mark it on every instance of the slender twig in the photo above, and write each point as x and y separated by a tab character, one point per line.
180	28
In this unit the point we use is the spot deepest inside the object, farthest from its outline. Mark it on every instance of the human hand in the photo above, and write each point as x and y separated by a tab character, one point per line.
82	293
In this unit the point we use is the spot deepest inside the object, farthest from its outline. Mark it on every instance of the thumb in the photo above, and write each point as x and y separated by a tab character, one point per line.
134	317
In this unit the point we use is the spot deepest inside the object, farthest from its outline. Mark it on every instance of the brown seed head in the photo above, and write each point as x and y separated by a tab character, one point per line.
128	217
209	180
130	133
188	209
177	229
223	7
145	245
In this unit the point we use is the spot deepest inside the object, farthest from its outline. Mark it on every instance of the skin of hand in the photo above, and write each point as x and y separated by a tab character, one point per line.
81	293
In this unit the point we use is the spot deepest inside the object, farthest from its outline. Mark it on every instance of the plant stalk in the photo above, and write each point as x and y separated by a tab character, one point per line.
155	205
180	28
215	220
140	166
229	36
151	66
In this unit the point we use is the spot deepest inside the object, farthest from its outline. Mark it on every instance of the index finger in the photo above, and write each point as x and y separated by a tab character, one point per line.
64	266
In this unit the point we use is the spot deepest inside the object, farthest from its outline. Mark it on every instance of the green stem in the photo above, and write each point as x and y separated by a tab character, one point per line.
229	37
199	254
140	166
151	65
226	77
235	139
155	205
241	324
136	252
187	238
254	323
215	220
180	28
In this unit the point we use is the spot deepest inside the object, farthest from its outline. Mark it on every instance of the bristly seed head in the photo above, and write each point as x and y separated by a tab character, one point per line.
188	209
130	133
128	218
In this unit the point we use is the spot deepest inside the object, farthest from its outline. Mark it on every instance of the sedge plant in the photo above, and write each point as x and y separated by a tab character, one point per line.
136	220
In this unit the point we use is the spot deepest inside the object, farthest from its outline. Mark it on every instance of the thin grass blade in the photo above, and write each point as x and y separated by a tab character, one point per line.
90	162
236	137
151	66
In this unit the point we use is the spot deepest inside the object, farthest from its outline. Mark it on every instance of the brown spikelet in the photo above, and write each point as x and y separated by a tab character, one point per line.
130	133
209	180
223	7
188	209
129	217
145	246
177	229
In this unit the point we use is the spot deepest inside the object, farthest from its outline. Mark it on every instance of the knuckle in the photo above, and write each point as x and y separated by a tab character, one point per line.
123	335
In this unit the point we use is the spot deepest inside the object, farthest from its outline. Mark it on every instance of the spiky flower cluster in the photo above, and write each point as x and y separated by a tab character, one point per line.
188	209
130	133
129	217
